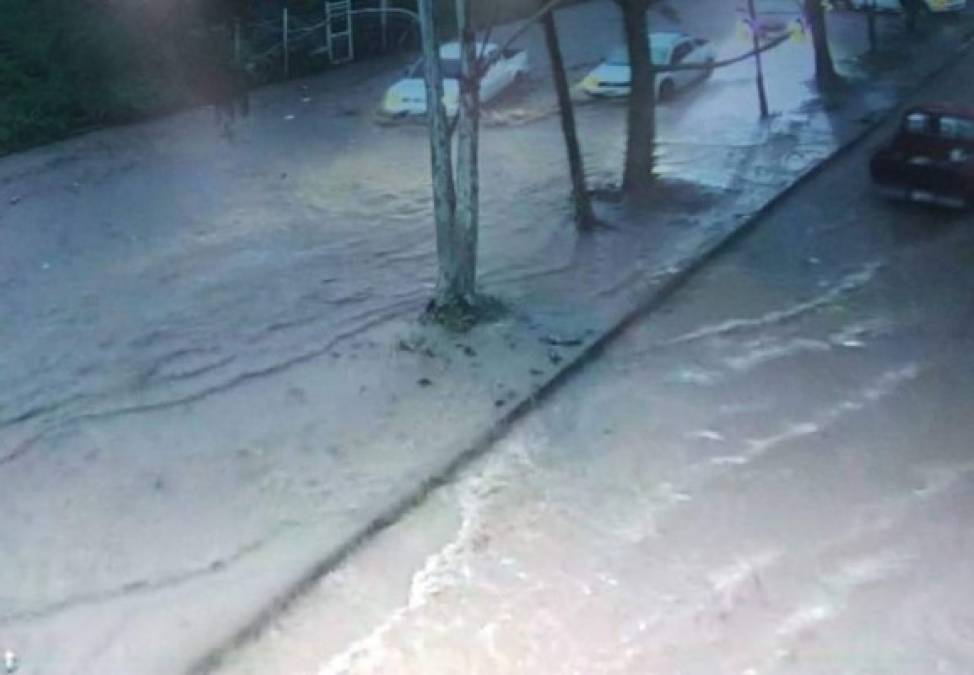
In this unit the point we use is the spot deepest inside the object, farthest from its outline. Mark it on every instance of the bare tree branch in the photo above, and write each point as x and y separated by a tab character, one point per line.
725	62
549	6
487	33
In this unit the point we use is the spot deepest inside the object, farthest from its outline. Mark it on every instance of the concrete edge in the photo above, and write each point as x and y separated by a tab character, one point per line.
484	441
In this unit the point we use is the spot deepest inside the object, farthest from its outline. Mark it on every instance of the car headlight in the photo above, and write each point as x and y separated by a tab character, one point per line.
392	101
590	82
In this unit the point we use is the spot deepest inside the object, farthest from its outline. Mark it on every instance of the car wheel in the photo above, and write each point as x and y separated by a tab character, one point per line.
667	90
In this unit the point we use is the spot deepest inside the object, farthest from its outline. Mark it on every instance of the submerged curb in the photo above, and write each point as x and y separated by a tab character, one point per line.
482	443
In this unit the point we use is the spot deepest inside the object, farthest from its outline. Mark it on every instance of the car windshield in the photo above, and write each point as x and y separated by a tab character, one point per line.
451	69
948	126
620	56
956	127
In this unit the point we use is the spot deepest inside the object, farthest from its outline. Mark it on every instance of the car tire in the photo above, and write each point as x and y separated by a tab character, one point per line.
667	90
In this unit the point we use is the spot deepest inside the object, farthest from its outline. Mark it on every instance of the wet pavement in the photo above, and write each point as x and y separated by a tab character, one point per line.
772	474
224	382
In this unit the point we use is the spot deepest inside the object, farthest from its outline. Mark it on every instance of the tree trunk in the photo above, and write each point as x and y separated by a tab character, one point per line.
825	74
444	195
758	66
641	139
584	218
911	9
468	133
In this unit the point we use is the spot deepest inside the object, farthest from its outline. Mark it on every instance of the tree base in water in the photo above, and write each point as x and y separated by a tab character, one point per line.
460	316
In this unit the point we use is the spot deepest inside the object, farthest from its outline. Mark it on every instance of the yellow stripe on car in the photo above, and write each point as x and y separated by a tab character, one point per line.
744	31
392	101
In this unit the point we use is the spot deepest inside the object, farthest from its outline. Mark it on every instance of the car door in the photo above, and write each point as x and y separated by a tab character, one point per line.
680	56
493	81
701	54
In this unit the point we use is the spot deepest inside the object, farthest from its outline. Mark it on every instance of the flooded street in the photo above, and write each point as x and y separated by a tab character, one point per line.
772	474
311	227
214	386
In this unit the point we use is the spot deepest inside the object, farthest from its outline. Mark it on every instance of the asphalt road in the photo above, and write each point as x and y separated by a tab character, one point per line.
773	474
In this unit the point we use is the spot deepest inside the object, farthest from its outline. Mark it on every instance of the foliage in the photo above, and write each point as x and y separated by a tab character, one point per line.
70	64
67	64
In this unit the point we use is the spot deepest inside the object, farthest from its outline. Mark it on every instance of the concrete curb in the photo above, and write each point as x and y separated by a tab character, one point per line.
573	365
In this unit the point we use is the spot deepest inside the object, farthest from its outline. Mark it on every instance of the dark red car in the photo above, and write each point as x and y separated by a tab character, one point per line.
931	159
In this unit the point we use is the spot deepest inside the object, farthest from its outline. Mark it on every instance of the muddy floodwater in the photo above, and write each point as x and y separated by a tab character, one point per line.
772	474
212	379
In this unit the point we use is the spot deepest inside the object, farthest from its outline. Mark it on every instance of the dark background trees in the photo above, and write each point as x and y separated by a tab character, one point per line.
69	64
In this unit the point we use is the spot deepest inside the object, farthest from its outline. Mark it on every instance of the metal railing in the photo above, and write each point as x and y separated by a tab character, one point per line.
333	34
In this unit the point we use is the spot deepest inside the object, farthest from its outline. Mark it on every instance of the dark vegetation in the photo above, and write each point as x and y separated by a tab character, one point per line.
69	65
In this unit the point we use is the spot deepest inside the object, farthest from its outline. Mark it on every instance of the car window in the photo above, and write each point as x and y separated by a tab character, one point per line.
682	51
620	56
955	127
451	69
917	123
660	55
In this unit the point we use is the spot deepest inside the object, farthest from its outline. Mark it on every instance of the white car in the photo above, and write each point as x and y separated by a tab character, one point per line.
937	6
407	97
769	24
612	77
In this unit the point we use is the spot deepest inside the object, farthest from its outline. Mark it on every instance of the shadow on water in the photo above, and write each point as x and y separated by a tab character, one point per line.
925	224
666	194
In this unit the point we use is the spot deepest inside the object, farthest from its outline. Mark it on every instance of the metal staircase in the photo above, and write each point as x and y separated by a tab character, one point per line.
339	41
